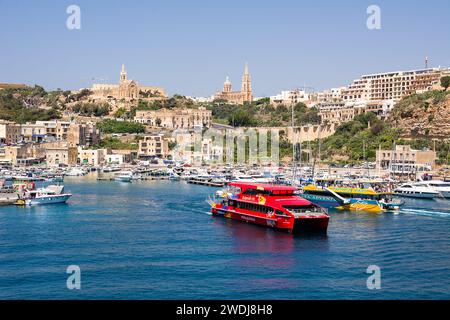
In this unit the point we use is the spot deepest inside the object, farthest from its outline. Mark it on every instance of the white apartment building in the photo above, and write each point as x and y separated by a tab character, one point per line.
392	85
33	132
290	97
340	112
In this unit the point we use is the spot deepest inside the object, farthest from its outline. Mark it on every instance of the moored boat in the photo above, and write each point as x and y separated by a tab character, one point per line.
437	185
415	190
124	176
49	195
75	172
272	206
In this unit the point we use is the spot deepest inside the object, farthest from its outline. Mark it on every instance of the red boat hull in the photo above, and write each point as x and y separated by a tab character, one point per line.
290	224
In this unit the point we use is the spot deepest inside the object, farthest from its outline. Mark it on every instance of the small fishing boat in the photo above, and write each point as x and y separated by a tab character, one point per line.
416	190
49	195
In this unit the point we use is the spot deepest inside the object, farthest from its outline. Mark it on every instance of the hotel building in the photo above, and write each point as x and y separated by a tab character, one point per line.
392	85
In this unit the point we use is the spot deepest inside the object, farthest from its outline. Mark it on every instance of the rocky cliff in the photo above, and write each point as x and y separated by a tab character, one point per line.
424	115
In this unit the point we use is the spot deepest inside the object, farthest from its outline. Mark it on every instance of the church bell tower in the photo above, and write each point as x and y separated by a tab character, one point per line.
246	89
123	74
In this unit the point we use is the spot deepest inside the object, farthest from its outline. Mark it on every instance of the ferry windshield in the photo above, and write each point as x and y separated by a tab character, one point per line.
302	209
274	193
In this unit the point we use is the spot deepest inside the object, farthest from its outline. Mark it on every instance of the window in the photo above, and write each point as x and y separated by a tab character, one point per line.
250	192
302	209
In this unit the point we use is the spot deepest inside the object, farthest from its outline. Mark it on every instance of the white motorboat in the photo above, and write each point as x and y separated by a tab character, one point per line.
440	186
413	190
49	195
75	172
124	176
251	179
111	169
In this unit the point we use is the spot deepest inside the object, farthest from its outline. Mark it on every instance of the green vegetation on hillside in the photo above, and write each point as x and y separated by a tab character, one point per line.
23	104
418	102
113	126
91	109
116	144
347	143
365	131
445	82
262	114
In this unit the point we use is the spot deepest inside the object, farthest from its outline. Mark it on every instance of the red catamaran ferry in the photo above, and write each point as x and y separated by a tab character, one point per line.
272	206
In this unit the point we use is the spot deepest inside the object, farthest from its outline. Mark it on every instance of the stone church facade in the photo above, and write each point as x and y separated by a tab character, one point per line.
127	89
238	97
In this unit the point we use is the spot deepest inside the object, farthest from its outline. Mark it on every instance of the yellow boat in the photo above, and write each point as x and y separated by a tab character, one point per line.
353	199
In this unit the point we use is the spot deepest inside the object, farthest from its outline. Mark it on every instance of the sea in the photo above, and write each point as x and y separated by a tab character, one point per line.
157	240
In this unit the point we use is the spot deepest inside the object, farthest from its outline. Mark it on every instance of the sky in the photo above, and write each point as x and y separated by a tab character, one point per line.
189	47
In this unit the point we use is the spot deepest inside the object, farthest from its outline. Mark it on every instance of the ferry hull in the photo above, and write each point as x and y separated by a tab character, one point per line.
308	225
364	206
371	206
296	226
323	201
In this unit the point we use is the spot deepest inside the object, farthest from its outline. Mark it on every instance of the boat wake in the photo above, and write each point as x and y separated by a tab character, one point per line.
430	213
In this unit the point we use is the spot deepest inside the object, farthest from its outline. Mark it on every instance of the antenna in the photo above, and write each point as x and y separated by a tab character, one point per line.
426	62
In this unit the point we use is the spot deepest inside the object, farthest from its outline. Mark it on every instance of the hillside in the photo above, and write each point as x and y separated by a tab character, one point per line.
420	120
424	115
29	104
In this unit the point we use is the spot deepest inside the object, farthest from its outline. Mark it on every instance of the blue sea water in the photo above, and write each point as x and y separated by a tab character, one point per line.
156	240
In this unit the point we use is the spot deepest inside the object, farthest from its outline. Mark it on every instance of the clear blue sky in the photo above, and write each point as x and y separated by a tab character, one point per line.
189	47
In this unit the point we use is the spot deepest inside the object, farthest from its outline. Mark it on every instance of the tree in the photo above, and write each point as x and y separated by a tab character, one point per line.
445	82
241	118
113	126
120	113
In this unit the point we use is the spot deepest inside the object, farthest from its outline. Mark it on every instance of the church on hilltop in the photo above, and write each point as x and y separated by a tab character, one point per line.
238	97
127	89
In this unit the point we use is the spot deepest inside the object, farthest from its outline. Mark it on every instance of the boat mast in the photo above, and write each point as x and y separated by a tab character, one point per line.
317	155
294	168
300	147
365	159
391	164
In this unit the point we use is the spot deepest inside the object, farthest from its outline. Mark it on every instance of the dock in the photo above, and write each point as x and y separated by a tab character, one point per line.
206	183
7	199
